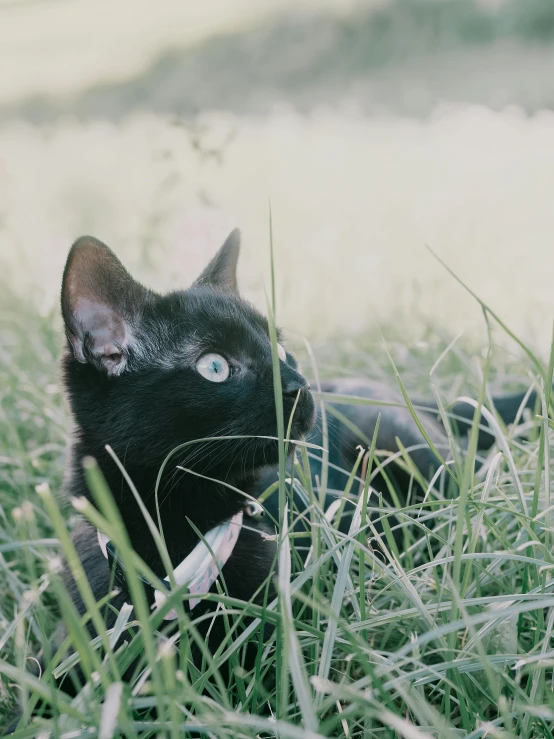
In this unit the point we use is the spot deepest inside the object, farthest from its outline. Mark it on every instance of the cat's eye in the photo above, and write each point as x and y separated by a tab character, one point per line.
282	353
213	367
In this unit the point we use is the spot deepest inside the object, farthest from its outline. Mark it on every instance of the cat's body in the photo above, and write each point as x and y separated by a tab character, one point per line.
396	423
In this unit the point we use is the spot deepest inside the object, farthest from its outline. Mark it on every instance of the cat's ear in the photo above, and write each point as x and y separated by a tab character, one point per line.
100	304
222	270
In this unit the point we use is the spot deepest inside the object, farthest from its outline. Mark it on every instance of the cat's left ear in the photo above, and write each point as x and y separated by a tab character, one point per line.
101	306
222	270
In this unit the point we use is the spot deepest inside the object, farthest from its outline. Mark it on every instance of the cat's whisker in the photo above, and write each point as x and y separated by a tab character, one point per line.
198	453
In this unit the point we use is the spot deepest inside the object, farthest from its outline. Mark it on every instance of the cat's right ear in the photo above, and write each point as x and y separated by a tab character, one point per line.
221	272
101	304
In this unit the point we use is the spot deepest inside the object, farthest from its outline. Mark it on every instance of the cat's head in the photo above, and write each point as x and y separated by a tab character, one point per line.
146	372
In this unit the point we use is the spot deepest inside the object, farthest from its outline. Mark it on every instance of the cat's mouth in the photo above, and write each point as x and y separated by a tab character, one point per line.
300	427
299	418
302	411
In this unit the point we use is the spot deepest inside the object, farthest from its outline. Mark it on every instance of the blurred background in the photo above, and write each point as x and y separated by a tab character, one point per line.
373	128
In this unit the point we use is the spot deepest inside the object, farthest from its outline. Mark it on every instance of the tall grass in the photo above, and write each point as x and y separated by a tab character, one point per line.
446	634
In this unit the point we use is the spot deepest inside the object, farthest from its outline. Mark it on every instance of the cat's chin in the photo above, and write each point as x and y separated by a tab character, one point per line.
302	426
268	454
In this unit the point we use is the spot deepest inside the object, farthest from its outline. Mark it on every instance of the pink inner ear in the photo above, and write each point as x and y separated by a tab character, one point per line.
104	327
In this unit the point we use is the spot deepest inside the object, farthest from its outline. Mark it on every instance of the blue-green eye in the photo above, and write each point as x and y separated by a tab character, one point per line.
213	367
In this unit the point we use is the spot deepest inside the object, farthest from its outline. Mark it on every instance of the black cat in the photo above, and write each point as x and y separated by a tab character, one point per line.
145	373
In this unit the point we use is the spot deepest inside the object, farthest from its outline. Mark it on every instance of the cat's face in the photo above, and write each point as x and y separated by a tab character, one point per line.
147	372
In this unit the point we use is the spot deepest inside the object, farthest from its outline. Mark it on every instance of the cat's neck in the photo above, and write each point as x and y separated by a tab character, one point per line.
178	499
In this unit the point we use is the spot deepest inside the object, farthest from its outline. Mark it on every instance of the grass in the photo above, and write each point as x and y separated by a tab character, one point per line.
447	635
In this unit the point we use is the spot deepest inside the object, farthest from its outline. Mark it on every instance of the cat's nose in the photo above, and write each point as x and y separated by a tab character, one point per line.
292	385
